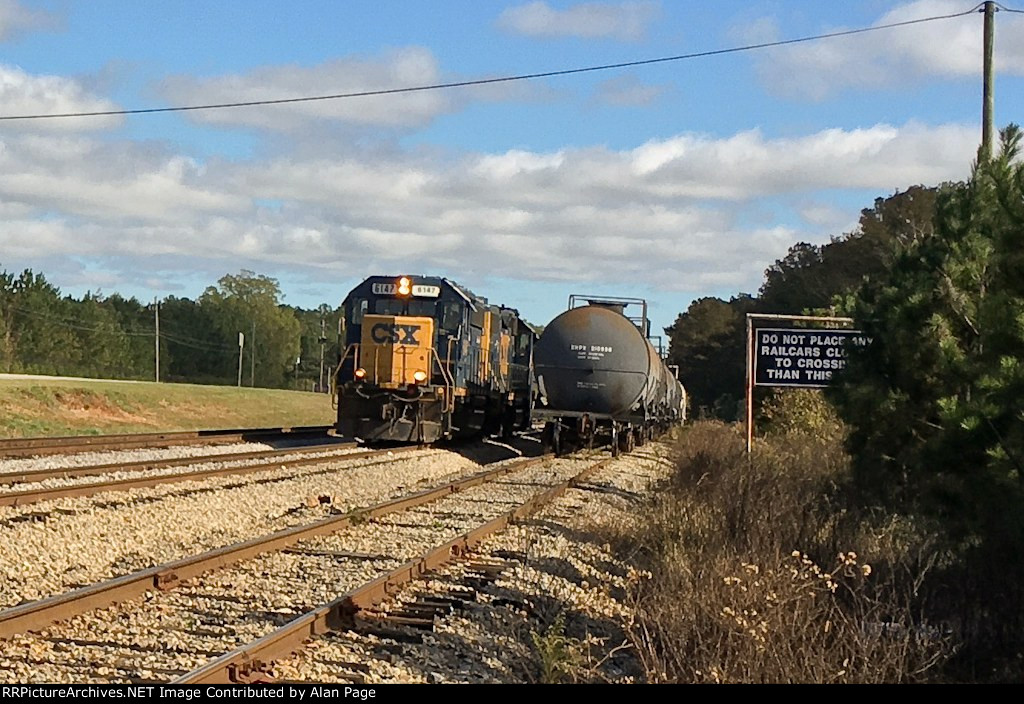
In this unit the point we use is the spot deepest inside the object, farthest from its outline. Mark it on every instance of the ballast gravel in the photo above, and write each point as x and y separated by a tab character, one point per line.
166	634
560	582
56	546
200	466
10	465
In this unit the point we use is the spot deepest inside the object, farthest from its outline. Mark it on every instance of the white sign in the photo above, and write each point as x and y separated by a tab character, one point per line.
801	357
426	291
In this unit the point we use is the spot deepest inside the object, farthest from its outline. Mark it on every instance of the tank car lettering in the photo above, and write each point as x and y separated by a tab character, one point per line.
577	348
600	348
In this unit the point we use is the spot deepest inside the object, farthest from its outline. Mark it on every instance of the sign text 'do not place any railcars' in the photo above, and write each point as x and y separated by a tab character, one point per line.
801	357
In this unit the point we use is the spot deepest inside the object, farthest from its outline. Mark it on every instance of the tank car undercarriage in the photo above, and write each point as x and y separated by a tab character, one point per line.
567	433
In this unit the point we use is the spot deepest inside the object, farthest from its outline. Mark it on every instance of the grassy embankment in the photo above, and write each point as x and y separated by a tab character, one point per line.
765	569
43	407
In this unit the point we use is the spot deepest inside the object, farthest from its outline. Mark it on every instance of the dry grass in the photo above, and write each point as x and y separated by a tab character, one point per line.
754	571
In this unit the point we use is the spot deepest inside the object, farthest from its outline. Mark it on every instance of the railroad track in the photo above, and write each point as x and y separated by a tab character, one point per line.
257	594
38	446
284	459
254	661
75	542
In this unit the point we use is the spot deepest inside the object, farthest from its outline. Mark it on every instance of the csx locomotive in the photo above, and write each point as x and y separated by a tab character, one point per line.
424	359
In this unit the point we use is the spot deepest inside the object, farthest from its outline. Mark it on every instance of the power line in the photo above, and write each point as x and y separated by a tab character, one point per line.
500	79
179	339
66	322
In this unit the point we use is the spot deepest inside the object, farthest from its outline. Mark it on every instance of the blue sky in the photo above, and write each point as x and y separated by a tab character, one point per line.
669	182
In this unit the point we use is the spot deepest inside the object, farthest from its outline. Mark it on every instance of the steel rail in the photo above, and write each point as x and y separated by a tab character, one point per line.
36	615
247	662
66	444
29	496
37	475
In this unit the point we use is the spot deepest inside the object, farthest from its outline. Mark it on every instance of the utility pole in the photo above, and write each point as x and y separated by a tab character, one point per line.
156	313
252	357
988	99
241	346
323	340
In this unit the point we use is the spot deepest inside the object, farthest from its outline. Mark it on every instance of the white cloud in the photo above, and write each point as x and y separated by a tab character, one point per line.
16	19
672	213
26	94
589	20
412	66
106	182
943	48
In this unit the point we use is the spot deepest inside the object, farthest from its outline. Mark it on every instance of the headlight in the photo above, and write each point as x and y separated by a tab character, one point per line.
420	377
360	373
404	286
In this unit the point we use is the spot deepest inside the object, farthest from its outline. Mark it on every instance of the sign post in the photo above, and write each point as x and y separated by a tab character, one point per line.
241	346
803	358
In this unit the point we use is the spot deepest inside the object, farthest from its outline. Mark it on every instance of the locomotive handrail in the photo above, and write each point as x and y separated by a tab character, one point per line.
449	381
353	347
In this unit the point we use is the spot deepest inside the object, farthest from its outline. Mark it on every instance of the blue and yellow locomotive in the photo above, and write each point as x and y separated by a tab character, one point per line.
425	359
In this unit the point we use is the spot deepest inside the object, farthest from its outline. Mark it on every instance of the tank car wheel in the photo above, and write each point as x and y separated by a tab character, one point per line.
629	441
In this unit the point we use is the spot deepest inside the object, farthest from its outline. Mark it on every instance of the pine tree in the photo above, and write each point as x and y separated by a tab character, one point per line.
935	403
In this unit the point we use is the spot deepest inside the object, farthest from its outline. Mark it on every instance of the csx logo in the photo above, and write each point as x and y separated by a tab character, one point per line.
390	332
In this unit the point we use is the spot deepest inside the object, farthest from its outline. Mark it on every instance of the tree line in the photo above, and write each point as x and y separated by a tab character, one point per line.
43	331
932	411
707	340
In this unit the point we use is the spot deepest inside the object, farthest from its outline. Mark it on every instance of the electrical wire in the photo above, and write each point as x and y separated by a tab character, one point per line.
499	79
176	338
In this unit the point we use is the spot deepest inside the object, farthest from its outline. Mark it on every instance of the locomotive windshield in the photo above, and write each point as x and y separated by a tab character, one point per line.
359	307
396	306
